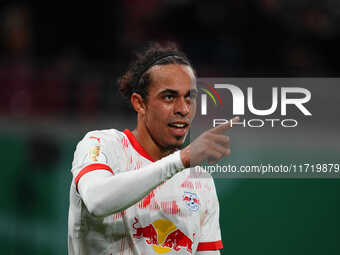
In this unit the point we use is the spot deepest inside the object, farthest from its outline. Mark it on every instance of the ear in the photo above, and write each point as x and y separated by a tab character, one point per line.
138	103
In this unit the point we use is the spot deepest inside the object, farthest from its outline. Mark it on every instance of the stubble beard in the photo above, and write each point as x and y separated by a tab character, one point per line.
167	148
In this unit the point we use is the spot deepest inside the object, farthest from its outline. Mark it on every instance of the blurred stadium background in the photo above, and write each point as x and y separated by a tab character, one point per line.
58	67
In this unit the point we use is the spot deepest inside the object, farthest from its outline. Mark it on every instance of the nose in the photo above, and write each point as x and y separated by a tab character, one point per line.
182	107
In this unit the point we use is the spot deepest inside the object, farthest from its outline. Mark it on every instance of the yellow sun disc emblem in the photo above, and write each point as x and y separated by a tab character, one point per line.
163	228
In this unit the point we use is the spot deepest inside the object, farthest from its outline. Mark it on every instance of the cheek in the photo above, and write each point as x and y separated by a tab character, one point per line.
157	117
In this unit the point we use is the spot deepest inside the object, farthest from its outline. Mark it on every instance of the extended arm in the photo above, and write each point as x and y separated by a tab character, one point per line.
104	193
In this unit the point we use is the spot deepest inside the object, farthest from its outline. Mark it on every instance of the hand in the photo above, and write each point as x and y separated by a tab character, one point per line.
211	145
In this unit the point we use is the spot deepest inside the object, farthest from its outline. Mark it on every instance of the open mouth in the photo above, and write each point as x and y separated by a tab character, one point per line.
178	128
178	125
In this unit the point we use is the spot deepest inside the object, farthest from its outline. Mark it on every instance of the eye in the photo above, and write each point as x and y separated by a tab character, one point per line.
169	97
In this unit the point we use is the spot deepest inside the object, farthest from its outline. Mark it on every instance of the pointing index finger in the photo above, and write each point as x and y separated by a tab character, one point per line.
221	128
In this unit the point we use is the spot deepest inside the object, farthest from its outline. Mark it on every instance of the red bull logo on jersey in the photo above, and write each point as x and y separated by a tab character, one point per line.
164	236
191	201
148	232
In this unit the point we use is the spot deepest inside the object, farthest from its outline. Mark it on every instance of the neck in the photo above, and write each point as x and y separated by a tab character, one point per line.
147	142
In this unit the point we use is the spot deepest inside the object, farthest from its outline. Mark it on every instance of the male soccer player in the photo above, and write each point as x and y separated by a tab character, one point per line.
132	192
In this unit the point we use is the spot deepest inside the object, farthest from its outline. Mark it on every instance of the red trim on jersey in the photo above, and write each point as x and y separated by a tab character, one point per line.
207	246
93	137
136	145
90	168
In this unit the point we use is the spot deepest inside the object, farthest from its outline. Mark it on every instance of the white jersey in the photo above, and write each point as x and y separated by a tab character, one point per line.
181	216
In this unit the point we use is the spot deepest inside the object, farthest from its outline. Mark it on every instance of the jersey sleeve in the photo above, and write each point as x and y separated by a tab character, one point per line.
210	236
93	152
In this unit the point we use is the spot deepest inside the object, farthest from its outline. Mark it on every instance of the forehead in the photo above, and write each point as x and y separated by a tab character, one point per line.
172	76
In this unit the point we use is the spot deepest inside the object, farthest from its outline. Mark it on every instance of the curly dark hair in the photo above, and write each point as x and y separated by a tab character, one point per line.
137	78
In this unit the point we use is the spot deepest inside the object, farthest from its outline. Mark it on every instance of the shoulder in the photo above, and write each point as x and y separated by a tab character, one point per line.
105	135
108	140
104	146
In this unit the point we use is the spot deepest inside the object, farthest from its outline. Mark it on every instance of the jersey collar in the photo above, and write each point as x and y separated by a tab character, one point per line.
136	145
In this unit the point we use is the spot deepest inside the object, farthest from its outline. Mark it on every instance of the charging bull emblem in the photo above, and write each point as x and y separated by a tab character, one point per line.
178	240
163	236
148	232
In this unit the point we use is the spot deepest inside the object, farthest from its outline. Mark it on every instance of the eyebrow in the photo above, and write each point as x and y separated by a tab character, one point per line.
175	92
169	91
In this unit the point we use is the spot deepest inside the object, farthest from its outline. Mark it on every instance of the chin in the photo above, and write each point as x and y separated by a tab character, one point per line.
178	143
174	142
